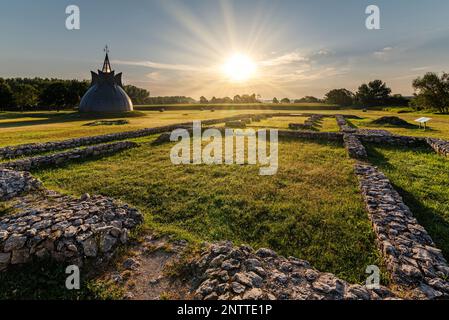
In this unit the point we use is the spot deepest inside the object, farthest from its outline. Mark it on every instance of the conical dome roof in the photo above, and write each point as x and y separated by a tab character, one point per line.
106	93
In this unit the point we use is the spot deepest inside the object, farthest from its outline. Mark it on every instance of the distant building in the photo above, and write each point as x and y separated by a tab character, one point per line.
106	93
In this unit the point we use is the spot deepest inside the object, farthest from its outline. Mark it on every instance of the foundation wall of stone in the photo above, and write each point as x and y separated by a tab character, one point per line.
62	157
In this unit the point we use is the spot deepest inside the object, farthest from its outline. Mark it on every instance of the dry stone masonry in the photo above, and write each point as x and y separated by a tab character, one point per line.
355	148
409	252
62	157
393	140
440	146
312	135
308	124
45	223
14	183
343	124
226	272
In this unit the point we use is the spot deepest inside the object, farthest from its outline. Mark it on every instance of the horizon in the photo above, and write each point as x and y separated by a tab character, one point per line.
289	48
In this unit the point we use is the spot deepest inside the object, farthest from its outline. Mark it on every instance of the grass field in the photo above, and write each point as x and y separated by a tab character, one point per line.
32	127
17	128
311	209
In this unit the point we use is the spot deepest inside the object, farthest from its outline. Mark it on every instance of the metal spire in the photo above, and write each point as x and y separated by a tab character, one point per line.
106	65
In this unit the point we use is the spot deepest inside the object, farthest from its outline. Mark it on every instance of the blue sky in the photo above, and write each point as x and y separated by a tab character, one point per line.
177	47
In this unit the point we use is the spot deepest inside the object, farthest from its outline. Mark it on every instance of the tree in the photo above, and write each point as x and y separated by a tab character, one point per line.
341	97
6	95
25	95
203	99
275	100
54	95
285	100
237	99
432	92
374	93
137	95
398	100
308	99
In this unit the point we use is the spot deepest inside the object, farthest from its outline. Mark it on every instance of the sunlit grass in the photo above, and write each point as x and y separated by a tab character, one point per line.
311	209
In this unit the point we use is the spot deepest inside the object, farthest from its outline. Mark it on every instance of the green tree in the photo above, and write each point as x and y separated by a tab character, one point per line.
341	97
54	95
203	99
285	100
275	100
432	92
308	99
137	95
374	93
6	95
25	95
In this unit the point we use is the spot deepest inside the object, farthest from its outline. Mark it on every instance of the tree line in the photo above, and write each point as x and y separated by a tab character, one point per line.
245	98
431	93
38	93
374	93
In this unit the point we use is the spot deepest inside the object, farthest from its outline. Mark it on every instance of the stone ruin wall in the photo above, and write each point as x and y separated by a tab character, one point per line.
45	223
227	272
62	157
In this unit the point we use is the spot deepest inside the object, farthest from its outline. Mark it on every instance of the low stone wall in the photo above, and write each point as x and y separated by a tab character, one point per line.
235	124
440	146
14	183
62	157
354	147
394	140
375	132
34	148
343	124
226	272
308	124
312	135
47	224
409	252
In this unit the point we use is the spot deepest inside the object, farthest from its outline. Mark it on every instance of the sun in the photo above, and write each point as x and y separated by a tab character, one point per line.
239	68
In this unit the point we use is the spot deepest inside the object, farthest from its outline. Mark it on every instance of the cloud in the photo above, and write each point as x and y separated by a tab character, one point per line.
421	68
384	53
154	76
311	74
285	59
158	65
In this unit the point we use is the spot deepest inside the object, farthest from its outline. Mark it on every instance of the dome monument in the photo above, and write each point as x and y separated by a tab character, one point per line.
106	92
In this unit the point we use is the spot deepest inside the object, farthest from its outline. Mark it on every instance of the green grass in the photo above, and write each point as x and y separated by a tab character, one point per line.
30	127
311	209
438	126
421	177
33	127
45	279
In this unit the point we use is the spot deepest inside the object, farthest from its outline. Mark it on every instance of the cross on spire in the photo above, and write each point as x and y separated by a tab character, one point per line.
106	65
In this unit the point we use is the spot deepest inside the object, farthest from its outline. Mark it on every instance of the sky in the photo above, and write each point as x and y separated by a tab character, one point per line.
175	47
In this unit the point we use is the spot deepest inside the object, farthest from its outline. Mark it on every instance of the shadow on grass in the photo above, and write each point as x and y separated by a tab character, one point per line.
63	117
71	162
46	279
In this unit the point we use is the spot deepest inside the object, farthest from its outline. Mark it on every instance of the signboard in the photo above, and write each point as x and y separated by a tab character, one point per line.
423	121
